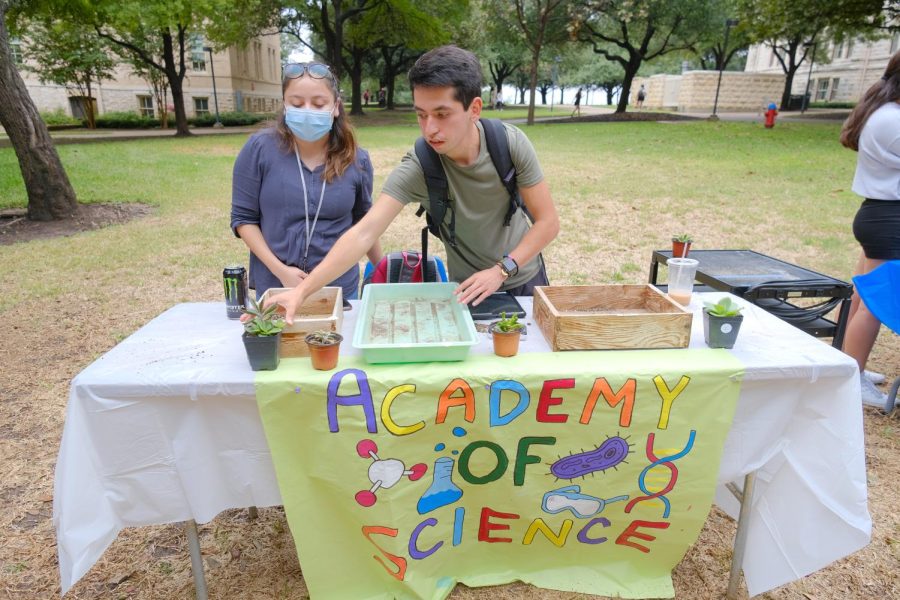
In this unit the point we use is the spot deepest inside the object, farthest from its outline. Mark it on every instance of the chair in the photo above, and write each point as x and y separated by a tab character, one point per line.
880	290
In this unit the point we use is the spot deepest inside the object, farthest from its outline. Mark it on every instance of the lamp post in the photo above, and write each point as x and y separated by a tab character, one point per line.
212	70
812	58
729	23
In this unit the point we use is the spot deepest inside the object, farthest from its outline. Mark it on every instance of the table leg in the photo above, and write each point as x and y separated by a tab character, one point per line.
654	270
840	324
745	497
190	528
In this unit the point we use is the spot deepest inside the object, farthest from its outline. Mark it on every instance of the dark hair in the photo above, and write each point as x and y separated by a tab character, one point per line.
340	152
449	66
886	89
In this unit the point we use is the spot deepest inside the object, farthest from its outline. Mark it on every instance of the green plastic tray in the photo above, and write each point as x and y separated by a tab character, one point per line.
413	322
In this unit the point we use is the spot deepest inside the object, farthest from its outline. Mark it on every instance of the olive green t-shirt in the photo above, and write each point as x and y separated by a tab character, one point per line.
480	201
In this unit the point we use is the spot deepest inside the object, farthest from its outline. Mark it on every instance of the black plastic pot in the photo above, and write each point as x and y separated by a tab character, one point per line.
720	332
262	351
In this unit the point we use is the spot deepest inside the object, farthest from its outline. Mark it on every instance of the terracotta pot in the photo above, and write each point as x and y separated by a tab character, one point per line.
506	343
324	357
679	250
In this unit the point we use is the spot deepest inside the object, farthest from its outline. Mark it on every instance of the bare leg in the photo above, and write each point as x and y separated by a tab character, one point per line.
854	302
862	328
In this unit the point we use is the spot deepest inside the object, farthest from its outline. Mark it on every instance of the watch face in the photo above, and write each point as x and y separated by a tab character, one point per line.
510	265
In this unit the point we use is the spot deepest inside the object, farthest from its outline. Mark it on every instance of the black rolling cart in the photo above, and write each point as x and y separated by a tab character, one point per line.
772	284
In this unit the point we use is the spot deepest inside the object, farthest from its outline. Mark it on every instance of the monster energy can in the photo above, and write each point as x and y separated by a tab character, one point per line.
235	277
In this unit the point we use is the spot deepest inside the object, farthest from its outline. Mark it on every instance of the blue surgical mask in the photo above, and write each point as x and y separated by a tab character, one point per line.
308	125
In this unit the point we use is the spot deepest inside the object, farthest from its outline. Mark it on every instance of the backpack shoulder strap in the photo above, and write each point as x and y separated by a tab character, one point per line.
498	148
436	182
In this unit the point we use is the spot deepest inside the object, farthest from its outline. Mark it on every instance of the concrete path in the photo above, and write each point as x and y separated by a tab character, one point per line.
81	136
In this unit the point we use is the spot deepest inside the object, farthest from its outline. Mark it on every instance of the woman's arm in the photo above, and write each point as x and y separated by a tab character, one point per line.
256	243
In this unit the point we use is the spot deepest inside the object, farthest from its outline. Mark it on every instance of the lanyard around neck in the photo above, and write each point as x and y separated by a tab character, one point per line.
309	230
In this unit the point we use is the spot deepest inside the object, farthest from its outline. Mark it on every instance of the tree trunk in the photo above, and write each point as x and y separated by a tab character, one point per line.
89	107
535	59
175	84
786	92
50	195
631	70
609	96
356	69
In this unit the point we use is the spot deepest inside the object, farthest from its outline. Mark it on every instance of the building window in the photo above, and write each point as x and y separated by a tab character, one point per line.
822	90
198	56
838	50
201	106
849	48
145	106
895	42
834	88
15	47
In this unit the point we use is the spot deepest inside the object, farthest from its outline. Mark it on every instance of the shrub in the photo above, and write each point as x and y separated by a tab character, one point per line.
125	120
230	119
59	117
832	104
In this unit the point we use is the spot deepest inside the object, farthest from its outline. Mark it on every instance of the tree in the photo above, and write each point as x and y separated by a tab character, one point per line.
138	27
630	32
71	55
402	30
539	22
326	20
712	52
795	28
159	84
50	195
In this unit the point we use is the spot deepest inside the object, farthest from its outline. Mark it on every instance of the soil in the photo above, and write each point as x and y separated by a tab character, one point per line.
15	227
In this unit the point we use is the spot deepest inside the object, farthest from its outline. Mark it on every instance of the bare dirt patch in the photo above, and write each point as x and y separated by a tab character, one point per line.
15	227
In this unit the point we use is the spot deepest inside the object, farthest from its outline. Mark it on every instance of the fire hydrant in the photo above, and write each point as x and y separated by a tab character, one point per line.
770	116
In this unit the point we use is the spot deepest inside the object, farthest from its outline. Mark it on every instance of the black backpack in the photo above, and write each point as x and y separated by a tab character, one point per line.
439	189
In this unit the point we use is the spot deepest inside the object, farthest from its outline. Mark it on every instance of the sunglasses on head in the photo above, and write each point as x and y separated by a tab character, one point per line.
315	70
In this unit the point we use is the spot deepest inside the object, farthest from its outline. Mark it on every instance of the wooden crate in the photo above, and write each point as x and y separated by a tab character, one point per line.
610	317
324	310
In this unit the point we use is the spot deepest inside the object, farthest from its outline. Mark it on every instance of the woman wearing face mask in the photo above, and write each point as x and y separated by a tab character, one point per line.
299	185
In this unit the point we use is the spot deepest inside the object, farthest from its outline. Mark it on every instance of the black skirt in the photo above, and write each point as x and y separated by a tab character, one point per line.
877	228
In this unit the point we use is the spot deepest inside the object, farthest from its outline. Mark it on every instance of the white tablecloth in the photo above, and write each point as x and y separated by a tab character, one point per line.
164	428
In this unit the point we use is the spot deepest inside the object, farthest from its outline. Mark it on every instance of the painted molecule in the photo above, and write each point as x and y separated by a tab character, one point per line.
383	473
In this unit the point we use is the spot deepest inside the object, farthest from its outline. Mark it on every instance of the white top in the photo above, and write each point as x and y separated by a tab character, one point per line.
878	165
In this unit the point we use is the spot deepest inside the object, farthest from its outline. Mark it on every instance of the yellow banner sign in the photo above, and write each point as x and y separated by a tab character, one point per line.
583	471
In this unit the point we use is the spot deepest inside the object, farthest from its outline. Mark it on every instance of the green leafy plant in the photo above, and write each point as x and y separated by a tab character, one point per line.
265	322
684	238
324	337
508	324
725	307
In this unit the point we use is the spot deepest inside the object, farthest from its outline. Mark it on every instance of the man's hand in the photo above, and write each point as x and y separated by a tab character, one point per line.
479	286
291	276
290	300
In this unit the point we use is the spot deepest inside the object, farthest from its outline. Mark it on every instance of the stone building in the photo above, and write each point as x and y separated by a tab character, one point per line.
246	79
854	65
695	91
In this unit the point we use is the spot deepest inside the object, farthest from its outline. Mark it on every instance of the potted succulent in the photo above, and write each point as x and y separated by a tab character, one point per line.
262	335
721	323
506	333
681	245
324	347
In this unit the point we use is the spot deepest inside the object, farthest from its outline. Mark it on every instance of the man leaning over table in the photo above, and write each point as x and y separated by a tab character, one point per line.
446	84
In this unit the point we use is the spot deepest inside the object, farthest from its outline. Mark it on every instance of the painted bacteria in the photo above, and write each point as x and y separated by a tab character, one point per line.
609	454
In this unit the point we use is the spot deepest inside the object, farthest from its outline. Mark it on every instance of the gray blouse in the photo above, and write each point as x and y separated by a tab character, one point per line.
266	191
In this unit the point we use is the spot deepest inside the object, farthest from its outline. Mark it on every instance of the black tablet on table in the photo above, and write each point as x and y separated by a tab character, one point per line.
491	307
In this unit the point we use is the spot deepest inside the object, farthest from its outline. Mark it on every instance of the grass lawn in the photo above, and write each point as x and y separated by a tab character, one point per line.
622	189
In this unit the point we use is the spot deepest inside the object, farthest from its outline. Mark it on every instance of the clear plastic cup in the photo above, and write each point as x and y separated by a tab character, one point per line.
681	279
